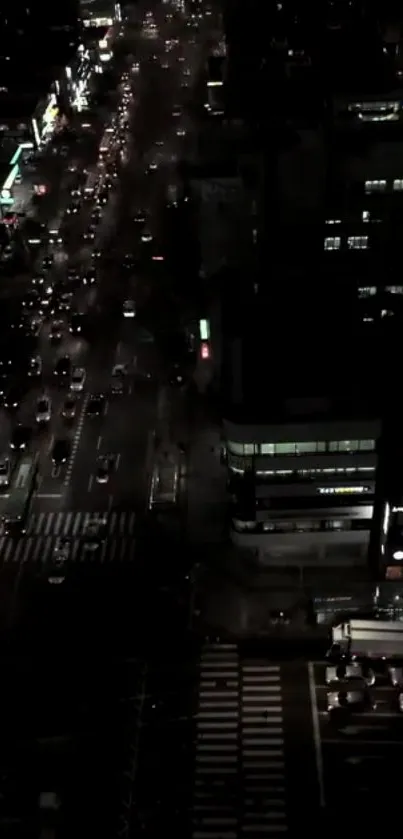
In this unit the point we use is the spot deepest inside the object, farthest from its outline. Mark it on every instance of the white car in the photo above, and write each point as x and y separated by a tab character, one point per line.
35	366
129	309
43	409
77	380
146	236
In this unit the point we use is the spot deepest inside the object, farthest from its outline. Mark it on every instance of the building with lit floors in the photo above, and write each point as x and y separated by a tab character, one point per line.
302	429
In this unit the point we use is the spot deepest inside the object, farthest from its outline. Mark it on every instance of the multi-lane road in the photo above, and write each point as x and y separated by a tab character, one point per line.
157	125
112	602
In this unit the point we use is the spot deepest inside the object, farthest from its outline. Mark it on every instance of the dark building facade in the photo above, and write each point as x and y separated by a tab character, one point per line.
33	38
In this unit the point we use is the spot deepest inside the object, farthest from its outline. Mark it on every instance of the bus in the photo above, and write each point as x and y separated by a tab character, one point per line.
165	482
19	498
91	183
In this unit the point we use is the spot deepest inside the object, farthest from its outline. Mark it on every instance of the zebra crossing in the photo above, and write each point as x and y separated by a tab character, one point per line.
38	543
239	784
117	523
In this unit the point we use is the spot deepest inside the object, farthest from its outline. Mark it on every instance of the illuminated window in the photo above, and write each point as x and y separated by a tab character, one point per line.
366	445
343	490
247	449
366	291
398	184
357	243
375	186
285	448
267	448
394	289
351	445
332	243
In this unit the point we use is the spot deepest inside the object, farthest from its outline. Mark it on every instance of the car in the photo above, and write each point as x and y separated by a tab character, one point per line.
38	279
76	323
129	309
35	326
56	330
77	379
43	411
104	467
400	702
20	437
47	262
64	302
62	548
89	234
140	217
89	277
73	208
31	300
96	214
95	404
96	254
35	366
355	700
117	383
345	671
69	407
102	198
94	532
152	167
61	451
146	236
12	398
63	366
61	553
396	676
177	377
73	275
180	132
5	471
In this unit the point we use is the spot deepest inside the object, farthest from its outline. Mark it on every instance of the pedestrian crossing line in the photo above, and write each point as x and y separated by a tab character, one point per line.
117	523
239	746
40	550
262	737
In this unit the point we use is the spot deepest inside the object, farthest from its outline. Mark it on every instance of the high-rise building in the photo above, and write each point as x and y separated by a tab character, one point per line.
309	338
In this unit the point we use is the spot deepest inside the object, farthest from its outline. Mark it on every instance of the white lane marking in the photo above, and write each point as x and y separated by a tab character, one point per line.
90	483
48	495
117	462
99	443
106	408
76	441
316	735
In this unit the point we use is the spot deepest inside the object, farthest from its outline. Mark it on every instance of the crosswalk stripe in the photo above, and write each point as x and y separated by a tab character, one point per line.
39	550
239	735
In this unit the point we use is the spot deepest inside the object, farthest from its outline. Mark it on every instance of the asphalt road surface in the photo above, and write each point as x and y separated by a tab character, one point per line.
73	653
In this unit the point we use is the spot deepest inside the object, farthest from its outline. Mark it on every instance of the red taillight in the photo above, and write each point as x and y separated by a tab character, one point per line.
205	351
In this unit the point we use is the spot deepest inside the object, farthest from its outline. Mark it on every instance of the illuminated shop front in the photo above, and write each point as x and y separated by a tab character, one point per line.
93	18
77	80
45	123
14	175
